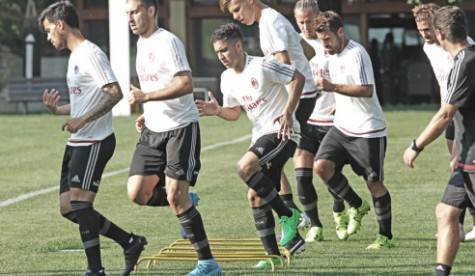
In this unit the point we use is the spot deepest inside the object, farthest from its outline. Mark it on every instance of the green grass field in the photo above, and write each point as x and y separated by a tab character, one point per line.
36	240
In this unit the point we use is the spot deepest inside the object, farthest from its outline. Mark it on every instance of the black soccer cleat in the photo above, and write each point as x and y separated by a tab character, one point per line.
132	254
96	273
296	245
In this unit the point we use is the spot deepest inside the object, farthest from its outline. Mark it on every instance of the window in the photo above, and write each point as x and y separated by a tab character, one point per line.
96	4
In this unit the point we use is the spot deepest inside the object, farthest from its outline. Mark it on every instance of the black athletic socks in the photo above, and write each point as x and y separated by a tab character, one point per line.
462	216
442	270
288	201
159	197
338	184
192	223
307	194
265	227
338	203
382	208
89	230
265	189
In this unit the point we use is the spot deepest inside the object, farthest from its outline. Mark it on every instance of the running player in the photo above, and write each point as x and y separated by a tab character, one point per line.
167	157
279	40
258	86
93	91
451	28
441	63
358	136
320	121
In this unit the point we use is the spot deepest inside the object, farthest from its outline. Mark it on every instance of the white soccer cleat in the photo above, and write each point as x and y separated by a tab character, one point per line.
304	221
470	236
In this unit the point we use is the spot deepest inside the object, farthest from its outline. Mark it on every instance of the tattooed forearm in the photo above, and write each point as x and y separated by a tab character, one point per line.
112	95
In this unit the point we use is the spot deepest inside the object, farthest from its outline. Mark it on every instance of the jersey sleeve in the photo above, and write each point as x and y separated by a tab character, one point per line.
228	99
277	36
277	72
362	71
100	68
175	56
461	84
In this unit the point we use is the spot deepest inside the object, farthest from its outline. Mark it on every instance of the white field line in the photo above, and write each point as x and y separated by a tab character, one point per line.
26	196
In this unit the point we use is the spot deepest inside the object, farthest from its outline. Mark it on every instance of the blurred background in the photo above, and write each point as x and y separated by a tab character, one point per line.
385	27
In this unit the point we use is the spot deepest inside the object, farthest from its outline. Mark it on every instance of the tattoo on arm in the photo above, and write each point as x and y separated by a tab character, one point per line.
112	95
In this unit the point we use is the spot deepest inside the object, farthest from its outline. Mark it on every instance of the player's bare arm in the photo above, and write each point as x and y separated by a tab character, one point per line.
295	91
181	85
308	50
112	95
51	99
282	57
212	108
433	130
351	90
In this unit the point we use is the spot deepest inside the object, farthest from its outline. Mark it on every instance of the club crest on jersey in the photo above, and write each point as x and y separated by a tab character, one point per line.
254	83
76	69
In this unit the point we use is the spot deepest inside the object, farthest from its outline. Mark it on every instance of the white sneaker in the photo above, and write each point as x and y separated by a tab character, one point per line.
304	221
470	236
315	233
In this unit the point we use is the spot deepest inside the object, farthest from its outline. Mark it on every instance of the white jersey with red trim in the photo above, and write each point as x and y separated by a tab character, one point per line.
324	110
276	35
88	71
159	58
441	63
260	90
356	116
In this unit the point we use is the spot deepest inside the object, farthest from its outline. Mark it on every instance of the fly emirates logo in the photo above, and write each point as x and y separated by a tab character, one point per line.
145	76
250	104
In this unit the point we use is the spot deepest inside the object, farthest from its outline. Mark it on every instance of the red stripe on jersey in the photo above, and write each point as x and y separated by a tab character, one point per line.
84	141
466	166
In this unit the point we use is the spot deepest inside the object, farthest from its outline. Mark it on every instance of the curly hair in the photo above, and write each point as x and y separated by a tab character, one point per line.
424	12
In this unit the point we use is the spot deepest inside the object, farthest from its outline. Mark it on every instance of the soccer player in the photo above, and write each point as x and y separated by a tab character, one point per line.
320	121
93	91
167	157
358	136
258	86
279	40
441	63
450	27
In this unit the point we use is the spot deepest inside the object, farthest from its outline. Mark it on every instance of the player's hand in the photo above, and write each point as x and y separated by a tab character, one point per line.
409	157
136	95
74	124
285	126
208	108
51	99
140	123
453	164
323	84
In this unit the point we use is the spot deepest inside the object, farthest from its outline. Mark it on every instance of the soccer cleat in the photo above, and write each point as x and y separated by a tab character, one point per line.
315	233
206	268
355	215
96	273
296	245
289	227
381	242
470	236
132	254
267	264
304	221
341	224
194	201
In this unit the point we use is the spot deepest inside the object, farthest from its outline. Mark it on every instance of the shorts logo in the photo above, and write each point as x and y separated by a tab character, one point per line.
76	179
260	150
76	69
180	172
95	183
254	83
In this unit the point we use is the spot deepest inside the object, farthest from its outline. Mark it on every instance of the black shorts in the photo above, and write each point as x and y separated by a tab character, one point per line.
303	112
175	153
83	166
273	153
311	142
365	155
459	192
450	131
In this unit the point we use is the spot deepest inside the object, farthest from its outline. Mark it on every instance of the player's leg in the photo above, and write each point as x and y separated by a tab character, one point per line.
86	168
183	148
470	236
448	237
286	192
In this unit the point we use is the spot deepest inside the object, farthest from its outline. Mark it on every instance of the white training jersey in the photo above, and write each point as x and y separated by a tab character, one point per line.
276	35
260	90
356	116
324	110
441	63
159	58
88	71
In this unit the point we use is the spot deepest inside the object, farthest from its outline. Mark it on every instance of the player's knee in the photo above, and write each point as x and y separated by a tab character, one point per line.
446	214
376	188
253	198
173	198
246	169
324	169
